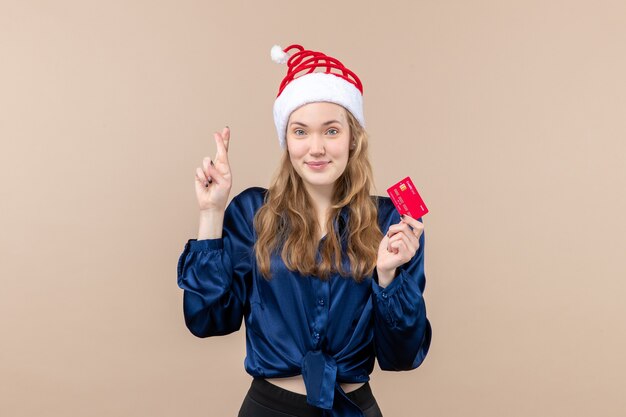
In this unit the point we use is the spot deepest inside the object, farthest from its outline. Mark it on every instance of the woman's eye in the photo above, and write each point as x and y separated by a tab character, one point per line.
333	131
296	132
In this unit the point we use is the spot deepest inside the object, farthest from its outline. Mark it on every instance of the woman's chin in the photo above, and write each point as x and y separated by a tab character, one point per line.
319	182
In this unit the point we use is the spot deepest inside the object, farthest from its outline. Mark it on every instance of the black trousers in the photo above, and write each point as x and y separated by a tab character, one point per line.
265	399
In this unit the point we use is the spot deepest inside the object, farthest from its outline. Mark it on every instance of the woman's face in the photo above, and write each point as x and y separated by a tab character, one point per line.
318	141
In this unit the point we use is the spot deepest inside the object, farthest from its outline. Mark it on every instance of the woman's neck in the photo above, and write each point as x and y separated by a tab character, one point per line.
321	198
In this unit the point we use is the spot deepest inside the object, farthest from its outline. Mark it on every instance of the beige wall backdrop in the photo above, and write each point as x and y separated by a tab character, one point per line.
508	115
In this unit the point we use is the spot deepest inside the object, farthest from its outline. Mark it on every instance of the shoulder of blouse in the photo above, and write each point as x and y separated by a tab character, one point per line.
251	193
247	201
387	213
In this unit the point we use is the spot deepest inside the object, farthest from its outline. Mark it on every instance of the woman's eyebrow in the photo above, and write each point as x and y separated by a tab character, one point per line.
323	124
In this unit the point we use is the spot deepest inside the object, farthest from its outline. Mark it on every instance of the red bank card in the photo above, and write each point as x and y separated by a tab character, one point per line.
406	199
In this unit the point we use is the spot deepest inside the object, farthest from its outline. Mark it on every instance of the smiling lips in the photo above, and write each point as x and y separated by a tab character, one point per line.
318	165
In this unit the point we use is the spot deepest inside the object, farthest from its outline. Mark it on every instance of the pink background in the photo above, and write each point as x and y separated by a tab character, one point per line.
509	116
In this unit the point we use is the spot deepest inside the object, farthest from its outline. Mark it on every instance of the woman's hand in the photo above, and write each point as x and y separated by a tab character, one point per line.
397	247
214	180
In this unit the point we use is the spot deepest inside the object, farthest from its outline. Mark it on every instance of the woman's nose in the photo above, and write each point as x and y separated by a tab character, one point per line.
316	146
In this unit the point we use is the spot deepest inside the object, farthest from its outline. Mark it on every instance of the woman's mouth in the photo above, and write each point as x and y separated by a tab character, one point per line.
318	166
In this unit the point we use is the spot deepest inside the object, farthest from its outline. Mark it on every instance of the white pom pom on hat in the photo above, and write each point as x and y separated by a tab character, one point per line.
342	87
278	55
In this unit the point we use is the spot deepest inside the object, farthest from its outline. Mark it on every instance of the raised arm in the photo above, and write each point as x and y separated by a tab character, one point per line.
213	269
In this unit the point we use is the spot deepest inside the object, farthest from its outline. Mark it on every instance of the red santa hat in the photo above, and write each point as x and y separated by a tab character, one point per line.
342	87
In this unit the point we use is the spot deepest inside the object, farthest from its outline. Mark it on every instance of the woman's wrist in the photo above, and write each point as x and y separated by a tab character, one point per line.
385	277
210	224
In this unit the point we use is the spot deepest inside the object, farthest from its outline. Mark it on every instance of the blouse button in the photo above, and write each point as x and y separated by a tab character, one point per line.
316	335
320	301
384	295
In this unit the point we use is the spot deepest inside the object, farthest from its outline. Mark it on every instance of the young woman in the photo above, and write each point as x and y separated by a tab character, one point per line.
323	292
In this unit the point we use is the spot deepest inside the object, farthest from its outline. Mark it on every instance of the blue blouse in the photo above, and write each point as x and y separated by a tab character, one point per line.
328	331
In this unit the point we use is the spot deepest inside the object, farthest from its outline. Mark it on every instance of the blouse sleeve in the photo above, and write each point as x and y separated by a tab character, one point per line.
214	274
402	332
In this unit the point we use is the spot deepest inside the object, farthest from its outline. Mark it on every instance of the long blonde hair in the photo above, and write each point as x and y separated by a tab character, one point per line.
287	219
